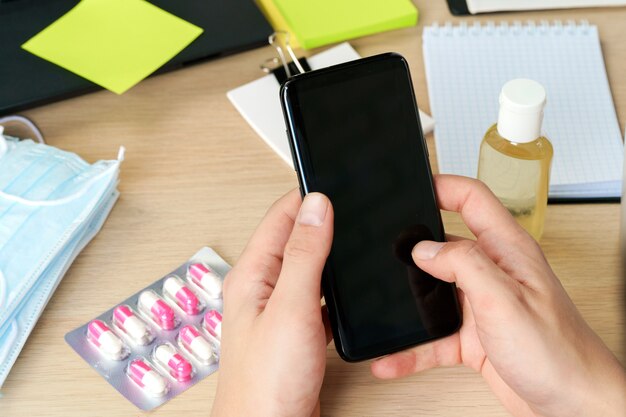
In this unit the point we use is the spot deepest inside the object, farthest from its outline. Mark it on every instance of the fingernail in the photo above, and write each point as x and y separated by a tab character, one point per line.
313	210
427	249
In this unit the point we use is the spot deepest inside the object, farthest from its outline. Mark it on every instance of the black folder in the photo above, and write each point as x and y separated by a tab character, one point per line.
27	81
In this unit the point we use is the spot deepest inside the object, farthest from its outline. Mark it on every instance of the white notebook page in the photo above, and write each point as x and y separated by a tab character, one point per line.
486	6
466	67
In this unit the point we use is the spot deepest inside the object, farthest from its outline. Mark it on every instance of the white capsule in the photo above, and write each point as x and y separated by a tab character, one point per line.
154	382
125	319
205	278
213	323
158	310
202	348
101	335
148	298
174	362
110	343
147	378
196	344
135	327
172	285
182	295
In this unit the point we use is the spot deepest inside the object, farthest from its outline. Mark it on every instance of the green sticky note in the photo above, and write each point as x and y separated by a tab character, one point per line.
320	22
114	43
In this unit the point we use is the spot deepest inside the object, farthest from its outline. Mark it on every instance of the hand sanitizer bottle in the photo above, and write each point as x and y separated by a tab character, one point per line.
515	157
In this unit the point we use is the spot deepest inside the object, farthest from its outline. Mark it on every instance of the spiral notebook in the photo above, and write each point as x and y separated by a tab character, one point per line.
466	66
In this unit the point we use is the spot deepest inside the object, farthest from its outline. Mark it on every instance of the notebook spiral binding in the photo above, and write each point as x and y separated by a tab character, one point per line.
515	28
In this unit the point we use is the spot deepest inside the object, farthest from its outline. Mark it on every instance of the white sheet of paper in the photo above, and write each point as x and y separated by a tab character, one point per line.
488	6
259	104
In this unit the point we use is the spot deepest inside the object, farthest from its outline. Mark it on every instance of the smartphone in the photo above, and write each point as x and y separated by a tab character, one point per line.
355	135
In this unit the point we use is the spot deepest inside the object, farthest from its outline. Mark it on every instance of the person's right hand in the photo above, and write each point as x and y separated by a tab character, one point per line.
520	329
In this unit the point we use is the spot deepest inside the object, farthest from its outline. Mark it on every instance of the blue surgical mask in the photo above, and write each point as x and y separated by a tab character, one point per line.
51	204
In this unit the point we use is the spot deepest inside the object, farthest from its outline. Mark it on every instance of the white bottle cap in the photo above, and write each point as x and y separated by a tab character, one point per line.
521	110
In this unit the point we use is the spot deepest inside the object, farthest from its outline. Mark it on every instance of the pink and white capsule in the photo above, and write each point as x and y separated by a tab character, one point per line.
213	323
196	344
147	378
181	295
105	340
205	278
133	326
158	310
174	362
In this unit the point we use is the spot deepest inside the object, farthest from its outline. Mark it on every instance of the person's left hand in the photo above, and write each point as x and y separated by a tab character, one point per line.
274	339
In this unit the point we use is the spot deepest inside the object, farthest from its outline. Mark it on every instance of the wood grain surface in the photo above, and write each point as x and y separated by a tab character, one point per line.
196	174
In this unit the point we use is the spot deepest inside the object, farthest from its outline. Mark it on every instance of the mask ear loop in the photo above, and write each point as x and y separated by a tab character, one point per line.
71	197
27	122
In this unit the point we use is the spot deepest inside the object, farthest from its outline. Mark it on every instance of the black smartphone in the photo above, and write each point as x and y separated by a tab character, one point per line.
355	135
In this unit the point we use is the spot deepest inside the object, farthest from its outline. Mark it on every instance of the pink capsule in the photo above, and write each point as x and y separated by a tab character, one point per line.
157	309
104	339
205	278
126	320
196	344
179	367
147	378
183	296
213	323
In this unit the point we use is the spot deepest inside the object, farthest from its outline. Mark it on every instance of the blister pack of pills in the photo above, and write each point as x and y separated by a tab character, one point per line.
163	339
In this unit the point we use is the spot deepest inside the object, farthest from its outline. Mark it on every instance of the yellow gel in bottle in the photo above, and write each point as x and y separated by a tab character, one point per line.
515	158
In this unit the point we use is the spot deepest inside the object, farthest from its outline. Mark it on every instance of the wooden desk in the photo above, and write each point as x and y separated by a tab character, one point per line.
196	174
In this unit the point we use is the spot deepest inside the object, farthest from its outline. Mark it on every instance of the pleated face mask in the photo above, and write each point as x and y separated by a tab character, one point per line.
52	203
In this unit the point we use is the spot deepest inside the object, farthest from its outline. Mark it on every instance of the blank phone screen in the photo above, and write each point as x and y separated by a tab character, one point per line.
358	140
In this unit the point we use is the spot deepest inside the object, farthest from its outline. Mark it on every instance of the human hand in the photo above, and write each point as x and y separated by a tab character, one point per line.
274	338
520	329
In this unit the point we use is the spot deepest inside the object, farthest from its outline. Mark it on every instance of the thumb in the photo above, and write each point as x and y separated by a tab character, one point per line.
466	264
306	252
